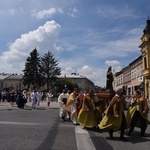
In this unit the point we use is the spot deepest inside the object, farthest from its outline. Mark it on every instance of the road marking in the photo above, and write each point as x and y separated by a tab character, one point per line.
83	139
21	123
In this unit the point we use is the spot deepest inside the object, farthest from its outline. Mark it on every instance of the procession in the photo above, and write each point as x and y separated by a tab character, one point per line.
107	111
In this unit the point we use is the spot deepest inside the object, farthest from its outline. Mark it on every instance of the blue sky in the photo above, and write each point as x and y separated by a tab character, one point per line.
85	36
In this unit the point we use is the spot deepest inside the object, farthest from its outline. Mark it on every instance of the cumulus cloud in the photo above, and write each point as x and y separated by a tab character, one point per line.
86	68
97	75
44	38
94	74
116	66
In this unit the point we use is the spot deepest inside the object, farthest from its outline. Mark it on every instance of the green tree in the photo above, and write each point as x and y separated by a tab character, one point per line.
49	69
32	75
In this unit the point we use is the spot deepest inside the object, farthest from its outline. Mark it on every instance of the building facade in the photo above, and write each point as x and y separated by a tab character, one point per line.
136	74
145	50
82	82
2	77
14	81
130	78
127	79
118	80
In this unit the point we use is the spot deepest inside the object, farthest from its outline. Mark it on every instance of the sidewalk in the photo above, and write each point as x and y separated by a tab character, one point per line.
43	105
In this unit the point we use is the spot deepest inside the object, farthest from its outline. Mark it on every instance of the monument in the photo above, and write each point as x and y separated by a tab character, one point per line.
109	92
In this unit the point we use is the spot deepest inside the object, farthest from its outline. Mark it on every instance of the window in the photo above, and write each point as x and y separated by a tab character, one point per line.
145	63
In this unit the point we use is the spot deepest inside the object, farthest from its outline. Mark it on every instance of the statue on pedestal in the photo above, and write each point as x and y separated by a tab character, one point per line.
110	79
109	92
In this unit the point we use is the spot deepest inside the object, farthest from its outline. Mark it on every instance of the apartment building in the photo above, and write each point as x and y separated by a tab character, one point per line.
130	77
136	74
127	79
118	80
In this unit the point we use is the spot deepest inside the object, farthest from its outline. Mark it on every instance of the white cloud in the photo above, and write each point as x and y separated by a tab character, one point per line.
44	38
98	76
116	66
112	62
73	11
120	47
86	68
46	13
94	74
116	13
67	70
8	11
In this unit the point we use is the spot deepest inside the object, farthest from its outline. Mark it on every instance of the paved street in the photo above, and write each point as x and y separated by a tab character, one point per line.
41	129
43	105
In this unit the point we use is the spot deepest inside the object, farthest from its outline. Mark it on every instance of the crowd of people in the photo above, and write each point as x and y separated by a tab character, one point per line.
21	97
92	112
14	97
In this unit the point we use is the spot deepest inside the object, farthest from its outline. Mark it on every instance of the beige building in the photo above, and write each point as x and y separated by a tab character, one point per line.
130	77
14	81
136	74
82	82
127	79
11	81
118	80
2	77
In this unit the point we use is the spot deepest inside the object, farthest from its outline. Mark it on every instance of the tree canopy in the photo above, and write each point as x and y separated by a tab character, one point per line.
40	70
50	69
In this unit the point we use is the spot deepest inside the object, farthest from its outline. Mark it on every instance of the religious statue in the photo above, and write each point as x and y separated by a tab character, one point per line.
108	93
110	79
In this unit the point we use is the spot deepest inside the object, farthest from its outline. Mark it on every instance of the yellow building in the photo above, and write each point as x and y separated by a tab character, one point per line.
145	49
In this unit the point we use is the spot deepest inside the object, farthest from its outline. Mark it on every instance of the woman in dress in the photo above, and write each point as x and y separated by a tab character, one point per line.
86	117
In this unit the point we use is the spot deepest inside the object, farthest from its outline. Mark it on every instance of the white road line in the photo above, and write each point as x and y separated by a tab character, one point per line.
21	123
83	139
